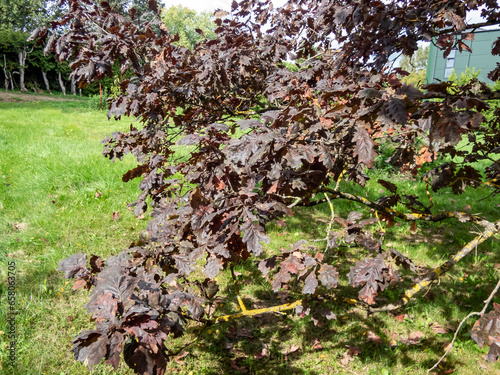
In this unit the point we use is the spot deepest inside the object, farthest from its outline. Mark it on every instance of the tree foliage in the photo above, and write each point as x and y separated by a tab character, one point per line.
416	65
300	132
185	22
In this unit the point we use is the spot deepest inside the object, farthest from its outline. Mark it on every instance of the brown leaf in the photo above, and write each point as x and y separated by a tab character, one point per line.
273	189
115	216
346	359
98	194
371	336
317	345
353	350
78	284
436	328
413	339
401	318
293	348
263	353
364	147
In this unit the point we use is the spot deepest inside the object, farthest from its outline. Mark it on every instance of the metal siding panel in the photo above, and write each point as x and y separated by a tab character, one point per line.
481	57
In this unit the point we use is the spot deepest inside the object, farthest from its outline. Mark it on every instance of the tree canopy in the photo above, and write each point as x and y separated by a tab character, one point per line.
264	141
416	65
184	22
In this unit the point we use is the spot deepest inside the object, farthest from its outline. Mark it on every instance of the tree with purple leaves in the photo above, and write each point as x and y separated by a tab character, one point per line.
265	139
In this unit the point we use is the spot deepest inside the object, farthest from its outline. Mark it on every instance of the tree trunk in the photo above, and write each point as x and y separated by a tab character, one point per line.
61	83
11	79
6	83
12	83
22	64
46	81
73	86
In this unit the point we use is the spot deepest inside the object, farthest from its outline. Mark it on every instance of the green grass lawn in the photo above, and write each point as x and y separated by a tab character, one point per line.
58	195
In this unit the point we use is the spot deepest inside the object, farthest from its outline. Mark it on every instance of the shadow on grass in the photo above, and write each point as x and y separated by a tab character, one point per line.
412	343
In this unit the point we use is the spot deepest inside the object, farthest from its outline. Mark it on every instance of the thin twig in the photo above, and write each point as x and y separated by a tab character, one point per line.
332	218
450	347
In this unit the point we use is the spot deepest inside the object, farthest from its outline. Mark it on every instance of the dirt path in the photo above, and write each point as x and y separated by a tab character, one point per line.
28	97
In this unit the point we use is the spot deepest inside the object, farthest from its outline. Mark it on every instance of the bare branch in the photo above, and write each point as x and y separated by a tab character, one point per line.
439	271
480	313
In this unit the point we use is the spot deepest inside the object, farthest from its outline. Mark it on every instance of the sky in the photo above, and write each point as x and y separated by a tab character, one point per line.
208	5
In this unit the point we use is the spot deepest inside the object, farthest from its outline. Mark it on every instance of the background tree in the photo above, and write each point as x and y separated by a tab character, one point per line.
265	141
184	22
39	61
416	65
22	17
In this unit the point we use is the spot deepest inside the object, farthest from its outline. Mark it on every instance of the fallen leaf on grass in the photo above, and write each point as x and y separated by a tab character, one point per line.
371	336
317	345
78	284
293	348
436	328
348	356
98	194
346	359
392	337
353	350
115	216
413	339
484	367
401	318
263	353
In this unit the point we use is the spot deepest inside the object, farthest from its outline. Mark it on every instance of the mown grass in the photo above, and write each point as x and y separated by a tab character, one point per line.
58	195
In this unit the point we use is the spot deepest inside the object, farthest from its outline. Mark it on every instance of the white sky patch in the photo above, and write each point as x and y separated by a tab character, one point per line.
209	5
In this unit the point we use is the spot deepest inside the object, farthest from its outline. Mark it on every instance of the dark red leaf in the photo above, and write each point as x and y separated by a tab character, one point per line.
364	147
311	283
73	265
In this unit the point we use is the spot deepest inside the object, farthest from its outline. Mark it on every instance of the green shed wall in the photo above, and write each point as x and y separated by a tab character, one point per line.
480	58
